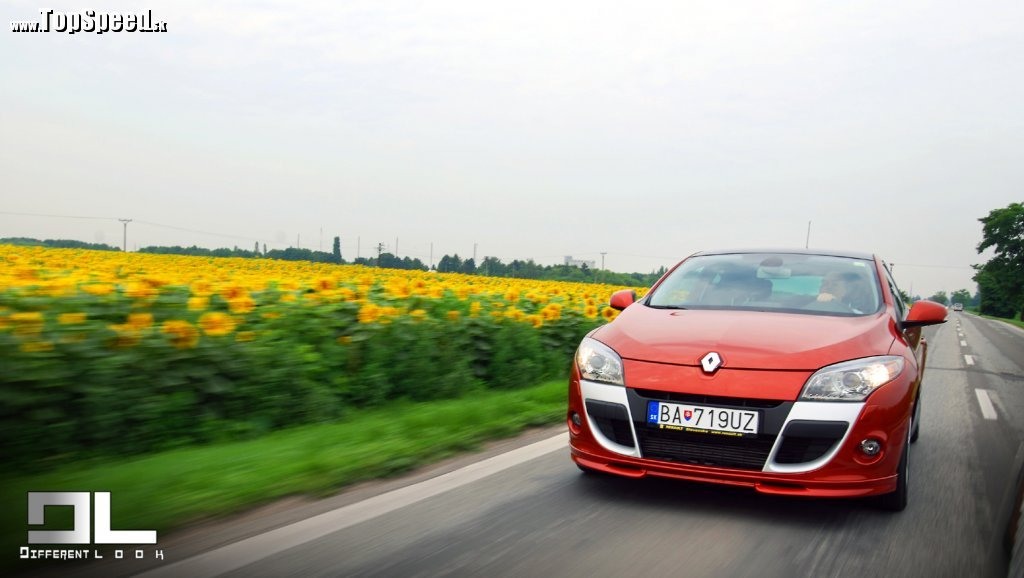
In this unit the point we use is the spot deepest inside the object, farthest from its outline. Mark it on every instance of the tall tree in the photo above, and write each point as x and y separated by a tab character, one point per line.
492	266
1004	230
961	296
337	249
449	264
1001	279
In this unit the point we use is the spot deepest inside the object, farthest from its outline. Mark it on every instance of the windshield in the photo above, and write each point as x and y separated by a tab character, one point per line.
792	283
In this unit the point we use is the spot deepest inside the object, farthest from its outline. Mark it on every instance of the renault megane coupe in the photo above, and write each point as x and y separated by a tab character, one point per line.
791	372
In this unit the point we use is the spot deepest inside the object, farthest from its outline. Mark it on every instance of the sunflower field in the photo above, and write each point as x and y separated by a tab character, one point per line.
106	354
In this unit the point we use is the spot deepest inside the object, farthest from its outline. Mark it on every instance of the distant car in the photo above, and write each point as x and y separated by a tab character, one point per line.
749	368
958	307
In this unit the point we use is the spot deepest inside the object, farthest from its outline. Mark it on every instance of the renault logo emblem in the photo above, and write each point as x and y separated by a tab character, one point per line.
711	362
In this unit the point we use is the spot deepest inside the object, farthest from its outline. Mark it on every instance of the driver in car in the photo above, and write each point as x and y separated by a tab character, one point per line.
846	288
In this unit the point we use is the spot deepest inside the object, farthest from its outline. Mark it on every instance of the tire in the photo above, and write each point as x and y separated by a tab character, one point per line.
897	501
915	431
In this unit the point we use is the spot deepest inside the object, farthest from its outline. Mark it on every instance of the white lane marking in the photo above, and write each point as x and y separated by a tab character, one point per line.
245	552
969	359
963	343
988	411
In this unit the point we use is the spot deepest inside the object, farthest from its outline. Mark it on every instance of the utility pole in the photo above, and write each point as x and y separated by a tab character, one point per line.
808	243
125	221
603	253
380	249
396	246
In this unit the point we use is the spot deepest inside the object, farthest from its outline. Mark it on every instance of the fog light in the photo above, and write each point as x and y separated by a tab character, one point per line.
576	421
870	447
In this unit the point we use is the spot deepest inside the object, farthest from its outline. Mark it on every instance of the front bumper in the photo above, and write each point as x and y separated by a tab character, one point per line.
804	448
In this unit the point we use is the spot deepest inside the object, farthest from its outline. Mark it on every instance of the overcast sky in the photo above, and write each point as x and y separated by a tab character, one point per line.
644	130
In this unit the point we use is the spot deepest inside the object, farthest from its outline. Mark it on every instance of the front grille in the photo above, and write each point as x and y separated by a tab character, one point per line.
805	440
801	450
748	453
612	420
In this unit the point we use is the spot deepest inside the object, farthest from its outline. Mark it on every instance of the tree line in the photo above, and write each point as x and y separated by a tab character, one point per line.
57	243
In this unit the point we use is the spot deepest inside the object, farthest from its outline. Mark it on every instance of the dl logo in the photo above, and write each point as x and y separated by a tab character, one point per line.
37	502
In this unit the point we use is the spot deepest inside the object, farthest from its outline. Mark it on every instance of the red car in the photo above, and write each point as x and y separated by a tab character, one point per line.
791	372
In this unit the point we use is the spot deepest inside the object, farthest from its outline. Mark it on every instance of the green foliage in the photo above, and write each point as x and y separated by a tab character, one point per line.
298	254
200	251
218	479
961	296
92	392
452	264
390	261
940	297
1004	230
57	243
1001	279
906	297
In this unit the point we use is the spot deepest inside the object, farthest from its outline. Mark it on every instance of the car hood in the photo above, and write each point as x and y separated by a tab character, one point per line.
745	339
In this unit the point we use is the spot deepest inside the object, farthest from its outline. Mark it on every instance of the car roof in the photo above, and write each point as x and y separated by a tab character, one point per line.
830	253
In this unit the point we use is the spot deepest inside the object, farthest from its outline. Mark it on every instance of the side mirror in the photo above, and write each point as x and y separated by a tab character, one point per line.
924	313
622	299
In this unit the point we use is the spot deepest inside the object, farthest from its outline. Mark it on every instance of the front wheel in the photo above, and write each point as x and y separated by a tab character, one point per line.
916	431
897	501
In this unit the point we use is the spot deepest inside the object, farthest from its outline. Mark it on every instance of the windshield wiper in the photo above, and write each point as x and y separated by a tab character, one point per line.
667	307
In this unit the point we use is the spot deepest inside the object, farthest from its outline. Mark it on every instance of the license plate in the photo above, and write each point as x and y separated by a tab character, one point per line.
701	418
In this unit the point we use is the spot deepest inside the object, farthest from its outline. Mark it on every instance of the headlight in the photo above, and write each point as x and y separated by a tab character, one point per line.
851	380
598	362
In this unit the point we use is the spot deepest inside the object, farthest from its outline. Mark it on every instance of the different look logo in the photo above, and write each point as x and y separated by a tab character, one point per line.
37	502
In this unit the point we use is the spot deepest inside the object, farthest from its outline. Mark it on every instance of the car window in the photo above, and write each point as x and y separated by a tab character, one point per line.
813	284
897	298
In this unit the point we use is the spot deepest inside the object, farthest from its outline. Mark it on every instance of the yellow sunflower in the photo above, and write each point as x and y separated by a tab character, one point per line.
183	334
217	324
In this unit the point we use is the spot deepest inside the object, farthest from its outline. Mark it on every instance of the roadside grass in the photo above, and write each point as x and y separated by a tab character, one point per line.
1016	322
174	488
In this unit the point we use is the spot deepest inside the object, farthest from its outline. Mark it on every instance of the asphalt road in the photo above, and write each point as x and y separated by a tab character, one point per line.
530	512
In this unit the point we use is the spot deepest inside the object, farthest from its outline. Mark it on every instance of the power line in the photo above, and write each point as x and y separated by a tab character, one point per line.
187	230
138	221
58	216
